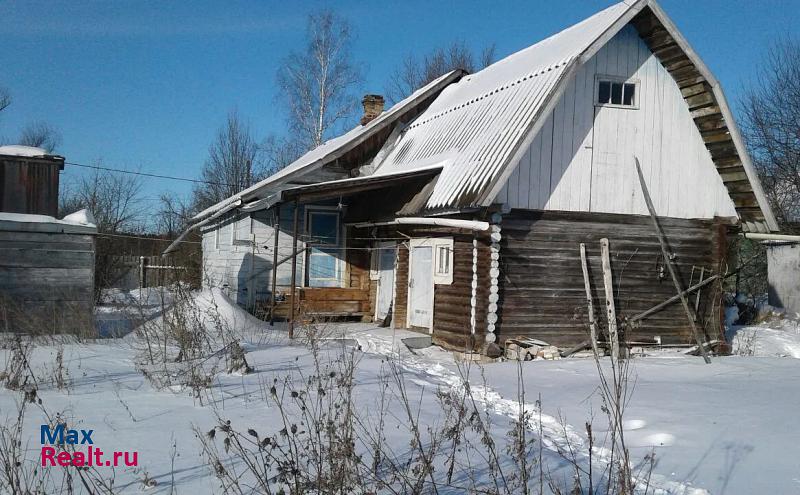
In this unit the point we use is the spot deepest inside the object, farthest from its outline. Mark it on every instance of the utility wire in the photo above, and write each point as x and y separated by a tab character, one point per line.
145	174
130	236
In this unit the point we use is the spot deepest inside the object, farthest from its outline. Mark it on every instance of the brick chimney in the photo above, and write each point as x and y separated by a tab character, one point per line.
373	106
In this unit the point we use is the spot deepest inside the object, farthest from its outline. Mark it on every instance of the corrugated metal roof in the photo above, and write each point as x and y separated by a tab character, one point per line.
335	147
476	125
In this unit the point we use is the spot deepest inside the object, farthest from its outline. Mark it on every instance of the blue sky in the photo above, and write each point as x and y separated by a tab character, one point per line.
145	85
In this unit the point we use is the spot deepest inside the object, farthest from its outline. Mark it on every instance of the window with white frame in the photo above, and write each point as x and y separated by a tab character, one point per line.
443	261
617	92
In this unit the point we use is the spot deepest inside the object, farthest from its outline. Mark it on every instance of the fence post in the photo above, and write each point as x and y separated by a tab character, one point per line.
142	272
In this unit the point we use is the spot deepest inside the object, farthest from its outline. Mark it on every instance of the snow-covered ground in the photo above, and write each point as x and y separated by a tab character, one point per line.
719	428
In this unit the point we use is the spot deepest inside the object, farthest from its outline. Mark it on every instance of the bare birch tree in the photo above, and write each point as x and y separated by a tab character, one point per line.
772	128
40	135
415	72
317	82
232	164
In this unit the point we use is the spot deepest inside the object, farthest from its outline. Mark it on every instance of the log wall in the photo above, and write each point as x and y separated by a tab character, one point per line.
541	283
452	326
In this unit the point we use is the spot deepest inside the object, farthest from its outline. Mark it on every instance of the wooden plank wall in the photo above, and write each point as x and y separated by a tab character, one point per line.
29	185
582	159
541	282
46	282
228	264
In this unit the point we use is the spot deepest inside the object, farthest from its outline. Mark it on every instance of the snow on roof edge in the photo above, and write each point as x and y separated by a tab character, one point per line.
322	152
79	222
25	151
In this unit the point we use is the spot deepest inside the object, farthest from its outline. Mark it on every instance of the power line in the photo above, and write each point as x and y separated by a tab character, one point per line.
130	236
145	174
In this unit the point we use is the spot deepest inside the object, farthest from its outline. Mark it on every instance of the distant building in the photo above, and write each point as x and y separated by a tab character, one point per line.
46	264
783	265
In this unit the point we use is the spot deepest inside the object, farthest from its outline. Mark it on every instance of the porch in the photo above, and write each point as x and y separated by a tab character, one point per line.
315	303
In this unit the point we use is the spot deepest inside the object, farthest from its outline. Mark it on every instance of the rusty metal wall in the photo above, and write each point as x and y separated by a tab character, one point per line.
29	185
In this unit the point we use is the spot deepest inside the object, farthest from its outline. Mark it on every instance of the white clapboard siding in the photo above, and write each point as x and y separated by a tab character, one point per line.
238	267
582	159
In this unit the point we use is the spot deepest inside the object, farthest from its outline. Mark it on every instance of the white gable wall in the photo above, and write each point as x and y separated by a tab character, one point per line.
582	159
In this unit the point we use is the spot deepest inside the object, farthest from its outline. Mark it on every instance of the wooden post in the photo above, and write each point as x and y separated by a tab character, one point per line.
587	286
611	310
277	229
668	261
697	299
293	291
142	272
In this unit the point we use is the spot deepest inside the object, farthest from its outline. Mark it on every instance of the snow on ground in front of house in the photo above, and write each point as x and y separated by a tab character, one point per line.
723	427
778	335
719	428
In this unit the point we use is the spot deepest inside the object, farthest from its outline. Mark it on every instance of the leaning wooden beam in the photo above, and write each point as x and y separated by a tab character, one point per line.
590	304
572	350
611	310
672	299
668	261
292	297
277	228
291	256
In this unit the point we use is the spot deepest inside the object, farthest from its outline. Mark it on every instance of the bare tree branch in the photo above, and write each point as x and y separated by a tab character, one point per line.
772	128
414	72
279	152
113	199
316	83
232	164
40	135
5	99
173	217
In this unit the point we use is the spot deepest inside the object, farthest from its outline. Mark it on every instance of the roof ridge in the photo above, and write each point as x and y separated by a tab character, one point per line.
535	73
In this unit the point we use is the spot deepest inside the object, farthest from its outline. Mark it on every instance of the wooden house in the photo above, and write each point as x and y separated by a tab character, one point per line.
459	211
46	264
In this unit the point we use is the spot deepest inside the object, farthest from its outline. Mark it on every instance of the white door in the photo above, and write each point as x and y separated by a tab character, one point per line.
387	252
420	284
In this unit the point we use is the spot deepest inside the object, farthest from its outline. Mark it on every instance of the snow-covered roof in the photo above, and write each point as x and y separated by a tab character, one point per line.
80	222
333	148
26	151
477	124
480	125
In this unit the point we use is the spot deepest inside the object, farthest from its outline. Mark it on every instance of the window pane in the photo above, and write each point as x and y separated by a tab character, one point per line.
616	93
322	270
604	92
443	260
322	228
629	95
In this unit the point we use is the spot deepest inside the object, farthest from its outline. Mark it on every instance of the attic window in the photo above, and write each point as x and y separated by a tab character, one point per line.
616	92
